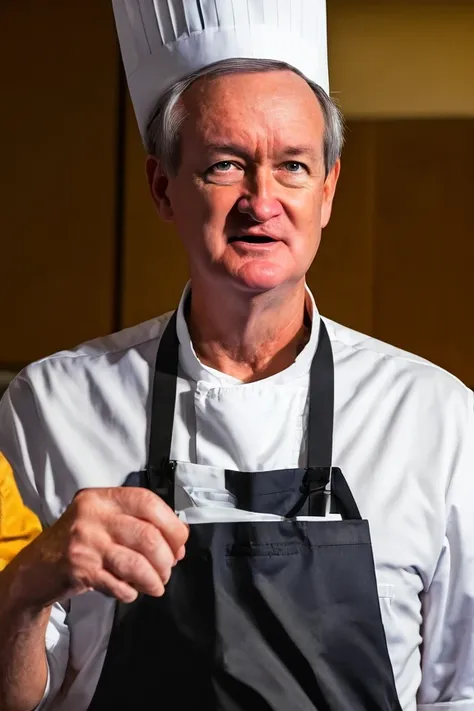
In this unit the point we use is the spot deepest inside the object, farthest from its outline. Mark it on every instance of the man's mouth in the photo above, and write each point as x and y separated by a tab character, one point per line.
252	239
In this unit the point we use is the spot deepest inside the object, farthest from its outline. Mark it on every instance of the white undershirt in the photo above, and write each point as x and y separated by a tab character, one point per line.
404	438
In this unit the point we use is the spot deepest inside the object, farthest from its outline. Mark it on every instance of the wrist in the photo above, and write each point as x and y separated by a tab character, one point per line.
18	592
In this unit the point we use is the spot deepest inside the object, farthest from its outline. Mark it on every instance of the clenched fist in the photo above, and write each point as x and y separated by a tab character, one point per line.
120	541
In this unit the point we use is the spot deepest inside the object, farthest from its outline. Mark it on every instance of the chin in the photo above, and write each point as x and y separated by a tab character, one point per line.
259	278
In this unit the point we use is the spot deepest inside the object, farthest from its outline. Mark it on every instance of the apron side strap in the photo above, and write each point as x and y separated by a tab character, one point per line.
164	397
321	403
342	500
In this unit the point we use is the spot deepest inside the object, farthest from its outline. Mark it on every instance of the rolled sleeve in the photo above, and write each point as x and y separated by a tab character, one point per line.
448	605
57	651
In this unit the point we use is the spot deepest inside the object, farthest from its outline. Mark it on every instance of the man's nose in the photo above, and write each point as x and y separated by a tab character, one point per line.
260	200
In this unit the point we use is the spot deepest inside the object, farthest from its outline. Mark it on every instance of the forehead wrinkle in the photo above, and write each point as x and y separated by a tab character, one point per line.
250	142
254	128
260	117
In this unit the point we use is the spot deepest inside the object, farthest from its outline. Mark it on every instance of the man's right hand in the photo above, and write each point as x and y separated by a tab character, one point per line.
119	541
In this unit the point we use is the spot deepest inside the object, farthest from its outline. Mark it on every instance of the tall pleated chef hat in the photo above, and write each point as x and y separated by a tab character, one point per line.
163	41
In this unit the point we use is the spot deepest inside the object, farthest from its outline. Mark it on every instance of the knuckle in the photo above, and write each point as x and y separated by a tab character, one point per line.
179	535
183	534
82	568
167	557
124	495
165	572
162	550
157	589
175	528
137	500
148	579
141	569
78	530
145	497
157	555
119	561
75	553
80	494
126	596
112	587
83	502
83	496
148	497
147	535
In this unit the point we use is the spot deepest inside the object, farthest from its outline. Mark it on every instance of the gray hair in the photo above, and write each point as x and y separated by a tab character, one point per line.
162	139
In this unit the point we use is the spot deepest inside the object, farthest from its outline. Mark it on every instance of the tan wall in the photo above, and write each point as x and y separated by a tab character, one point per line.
398	256
402	58
57	165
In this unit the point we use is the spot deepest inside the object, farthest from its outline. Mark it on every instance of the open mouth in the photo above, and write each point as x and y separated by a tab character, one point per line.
252	239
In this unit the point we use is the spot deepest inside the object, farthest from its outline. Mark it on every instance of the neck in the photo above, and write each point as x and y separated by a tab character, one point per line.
248	338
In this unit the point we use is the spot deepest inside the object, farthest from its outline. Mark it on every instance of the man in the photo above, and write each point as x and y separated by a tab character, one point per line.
207	477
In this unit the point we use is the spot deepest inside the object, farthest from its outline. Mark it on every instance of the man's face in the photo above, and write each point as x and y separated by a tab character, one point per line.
250	197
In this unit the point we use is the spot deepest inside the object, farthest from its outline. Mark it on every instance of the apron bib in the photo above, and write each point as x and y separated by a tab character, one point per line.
278	615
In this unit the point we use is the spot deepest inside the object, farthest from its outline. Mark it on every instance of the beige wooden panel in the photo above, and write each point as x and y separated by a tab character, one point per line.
402	58
57	173
342	274
424	295
155	262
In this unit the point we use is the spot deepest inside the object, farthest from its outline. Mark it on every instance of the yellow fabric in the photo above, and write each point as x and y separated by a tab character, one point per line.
18	525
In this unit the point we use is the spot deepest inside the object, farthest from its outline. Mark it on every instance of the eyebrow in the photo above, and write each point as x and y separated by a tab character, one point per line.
289	151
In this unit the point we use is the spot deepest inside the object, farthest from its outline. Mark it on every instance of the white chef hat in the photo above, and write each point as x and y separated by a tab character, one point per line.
163	41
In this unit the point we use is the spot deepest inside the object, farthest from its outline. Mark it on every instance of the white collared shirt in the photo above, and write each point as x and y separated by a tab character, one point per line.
404	438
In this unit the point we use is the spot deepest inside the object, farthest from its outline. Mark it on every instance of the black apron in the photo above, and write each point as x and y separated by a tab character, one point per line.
278	615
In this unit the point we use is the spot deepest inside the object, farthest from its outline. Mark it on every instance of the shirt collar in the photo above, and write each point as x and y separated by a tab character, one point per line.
199	372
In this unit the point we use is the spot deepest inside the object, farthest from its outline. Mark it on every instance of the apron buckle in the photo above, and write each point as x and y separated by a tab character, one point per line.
315	482
161	480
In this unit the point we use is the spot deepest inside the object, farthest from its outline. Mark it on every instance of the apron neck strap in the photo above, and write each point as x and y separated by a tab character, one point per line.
164	397
321	404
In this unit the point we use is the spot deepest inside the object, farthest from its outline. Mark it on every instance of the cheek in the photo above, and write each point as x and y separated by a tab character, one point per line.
190	211
201	216
219	203
203	206
216	209
305	212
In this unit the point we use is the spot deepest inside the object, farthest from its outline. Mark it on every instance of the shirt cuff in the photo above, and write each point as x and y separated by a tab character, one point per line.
46	692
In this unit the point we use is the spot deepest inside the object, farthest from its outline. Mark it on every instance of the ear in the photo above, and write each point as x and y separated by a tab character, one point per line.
329	191
158	184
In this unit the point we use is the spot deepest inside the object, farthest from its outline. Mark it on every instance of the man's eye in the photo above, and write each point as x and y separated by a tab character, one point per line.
294	166
224	166
225	172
